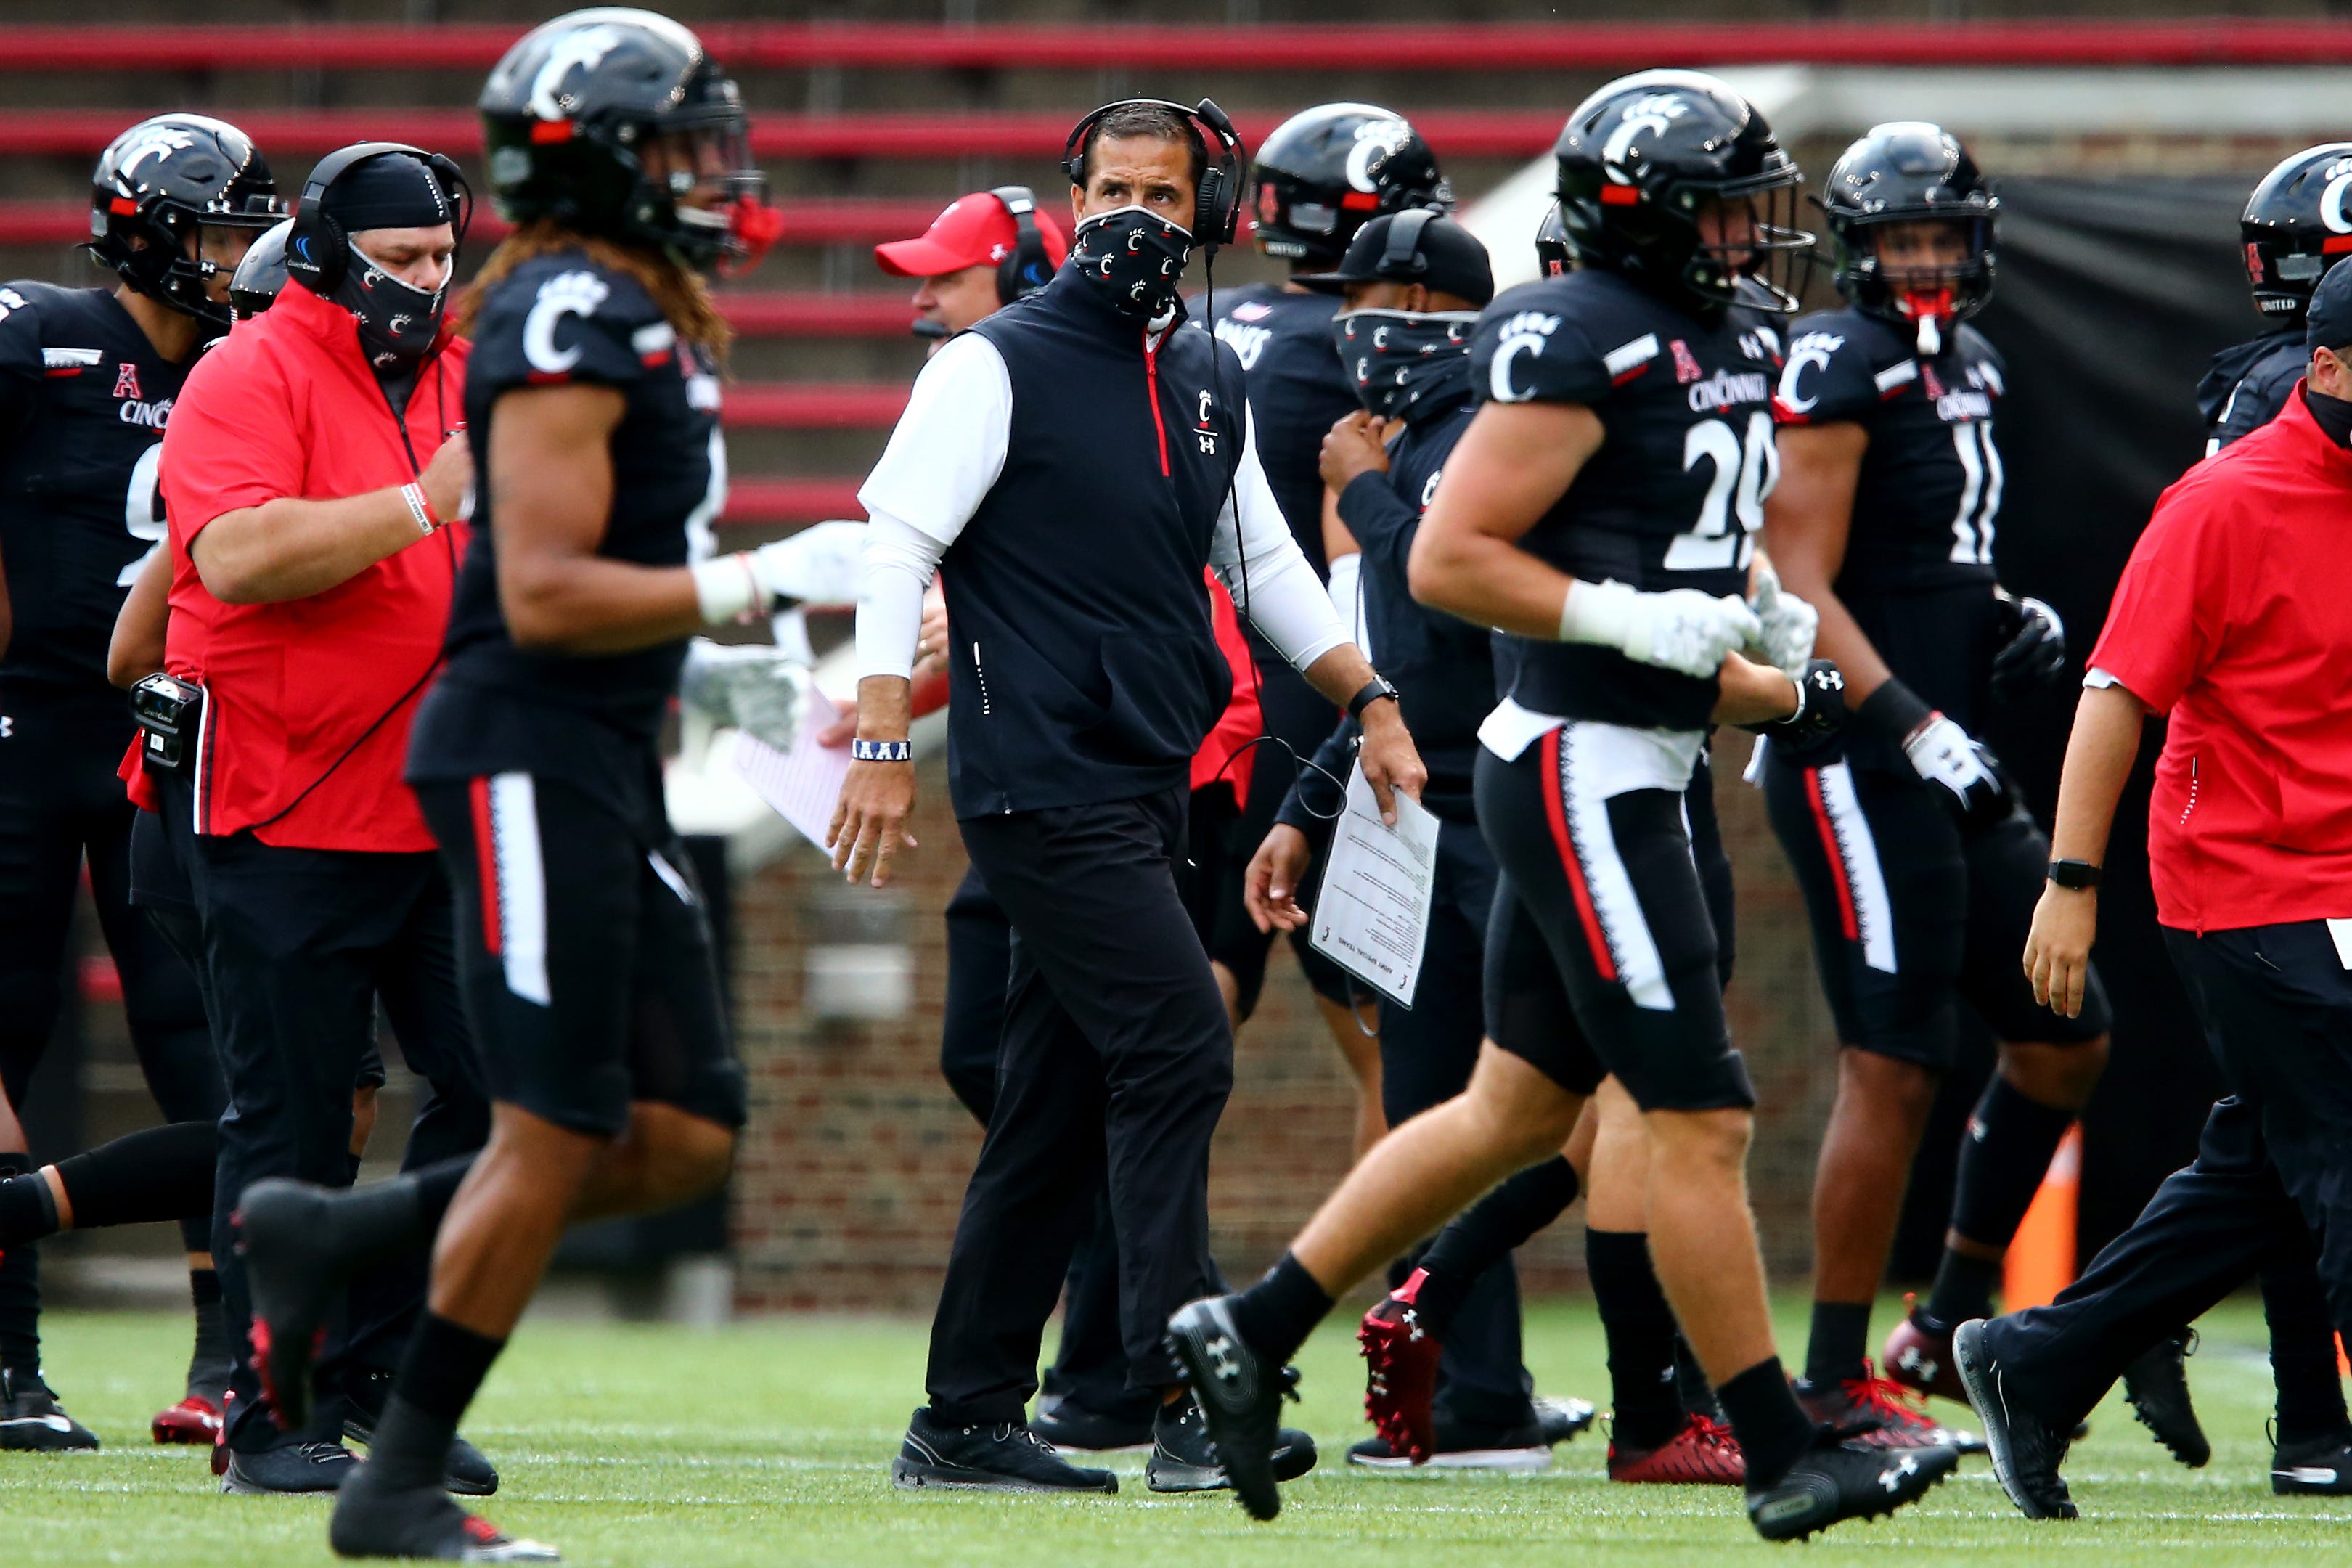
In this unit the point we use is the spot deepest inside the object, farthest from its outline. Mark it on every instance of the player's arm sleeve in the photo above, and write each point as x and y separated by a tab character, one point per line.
233	442
1827	379
2171	607
1261	565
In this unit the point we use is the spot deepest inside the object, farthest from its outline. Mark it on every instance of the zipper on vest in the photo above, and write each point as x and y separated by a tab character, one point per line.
1151	386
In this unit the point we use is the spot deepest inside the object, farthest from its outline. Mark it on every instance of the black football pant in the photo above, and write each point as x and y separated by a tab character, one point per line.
1426	1053
61	805
2271	1183
1115	1063
301	944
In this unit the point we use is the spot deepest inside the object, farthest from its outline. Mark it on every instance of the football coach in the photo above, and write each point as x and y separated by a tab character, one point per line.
313	473
1076	459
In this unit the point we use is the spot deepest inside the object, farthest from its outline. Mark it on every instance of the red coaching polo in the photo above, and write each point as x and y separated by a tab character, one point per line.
308	702
2235	615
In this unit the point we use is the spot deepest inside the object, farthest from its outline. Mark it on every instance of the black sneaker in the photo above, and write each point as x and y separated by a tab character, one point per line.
2156	1385
2320	1467
1563	1419
1183	1459
1239	1396
287	1468
285	1233
467	1472
420	1522
1006	1456
1074	1428
32	1421
1461	1445
1840	1477
2026	1449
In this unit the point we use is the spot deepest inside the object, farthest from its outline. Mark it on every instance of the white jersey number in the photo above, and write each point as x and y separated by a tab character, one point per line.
1745	472
1979	494
140	514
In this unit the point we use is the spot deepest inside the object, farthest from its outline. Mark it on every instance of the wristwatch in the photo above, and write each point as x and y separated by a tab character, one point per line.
881	751
2076	875
1372	692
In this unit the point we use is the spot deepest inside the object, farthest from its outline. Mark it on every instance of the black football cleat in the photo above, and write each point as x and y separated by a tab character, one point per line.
2320	1467
285	1233
1183	1459
2156	1385
33	1422
1003	1456
1240	1397
1839	1479
2026	1449
377	1520
467	1471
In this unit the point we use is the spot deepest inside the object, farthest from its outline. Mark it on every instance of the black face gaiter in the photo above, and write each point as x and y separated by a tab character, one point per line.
2333	414
1135	258
398	324
1402	359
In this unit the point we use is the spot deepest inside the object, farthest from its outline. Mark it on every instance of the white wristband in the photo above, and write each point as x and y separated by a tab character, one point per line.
726	588
419	509
1597	612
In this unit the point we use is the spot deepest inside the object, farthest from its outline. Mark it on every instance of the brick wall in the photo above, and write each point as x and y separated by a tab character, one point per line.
854	1165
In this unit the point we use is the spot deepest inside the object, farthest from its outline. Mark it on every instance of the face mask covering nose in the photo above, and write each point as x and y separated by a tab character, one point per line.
1135	258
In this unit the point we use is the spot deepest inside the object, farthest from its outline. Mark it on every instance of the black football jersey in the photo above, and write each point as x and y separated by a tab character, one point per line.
1928	498
83	401
1298	391
2246	385
1674	495
559	319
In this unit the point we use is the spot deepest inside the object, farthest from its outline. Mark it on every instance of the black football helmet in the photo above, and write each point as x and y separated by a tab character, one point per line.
2296	228
1908	171
157	187
1641	161
566	115
1325	172
1555	252
255	286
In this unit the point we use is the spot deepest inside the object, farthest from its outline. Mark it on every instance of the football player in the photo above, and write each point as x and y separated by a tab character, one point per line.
1918	863
87	381
1600	509
2292	218
1318	177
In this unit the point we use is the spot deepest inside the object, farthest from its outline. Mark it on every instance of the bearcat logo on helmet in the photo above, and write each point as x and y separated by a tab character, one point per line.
147	141
1652	113
582	48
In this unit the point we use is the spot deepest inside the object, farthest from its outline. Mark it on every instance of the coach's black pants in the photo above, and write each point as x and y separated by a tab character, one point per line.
300	943
1116	1058
1426	1053
2273	1176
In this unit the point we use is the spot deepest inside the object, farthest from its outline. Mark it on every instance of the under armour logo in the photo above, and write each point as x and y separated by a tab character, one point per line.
1892	1477
1921	1366
1221	1352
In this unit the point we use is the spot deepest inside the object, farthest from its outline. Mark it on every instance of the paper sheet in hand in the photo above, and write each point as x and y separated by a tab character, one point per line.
1372	915
802	785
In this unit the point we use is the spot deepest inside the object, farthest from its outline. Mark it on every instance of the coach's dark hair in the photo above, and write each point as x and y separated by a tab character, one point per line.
1154	122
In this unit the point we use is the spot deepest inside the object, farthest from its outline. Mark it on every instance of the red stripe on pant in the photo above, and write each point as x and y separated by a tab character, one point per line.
486	859
1555	798
1846	921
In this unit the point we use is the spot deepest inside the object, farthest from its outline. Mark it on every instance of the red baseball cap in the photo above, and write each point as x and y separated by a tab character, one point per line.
976	229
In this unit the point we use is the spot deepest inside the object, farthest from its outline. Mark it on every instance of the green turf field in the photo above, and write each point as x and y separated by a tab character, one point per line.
768	1444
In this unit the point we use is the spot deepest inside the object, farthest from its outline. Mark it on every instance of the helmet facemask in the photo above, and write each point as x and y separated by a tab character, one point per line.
1926	271
1748	250
698	190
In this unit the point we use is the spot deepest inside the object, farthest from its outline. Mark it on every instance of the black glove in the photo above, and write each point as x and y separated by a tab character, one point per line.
1821	714
1967	776
2032	646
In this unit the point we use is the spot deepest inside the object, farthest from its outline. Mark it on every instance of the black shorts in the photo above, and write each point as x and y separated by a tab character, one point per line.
1601	957
1910	916
590	976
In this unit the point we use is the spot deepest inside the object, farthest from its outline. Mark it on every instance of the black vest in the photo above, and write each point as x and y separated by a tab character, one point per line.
1083	666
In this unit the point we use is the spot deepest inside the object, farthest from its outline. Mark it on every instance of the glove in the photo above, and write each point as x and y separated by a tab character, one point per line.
1941	754
2033	647
1789	623
1681	629
822	564
759	690
1821	714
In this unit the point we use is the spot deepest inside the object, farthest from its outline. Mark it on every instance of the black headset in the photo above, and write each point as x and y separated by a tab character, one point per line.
1401	260
317	251
1216	206
1026	268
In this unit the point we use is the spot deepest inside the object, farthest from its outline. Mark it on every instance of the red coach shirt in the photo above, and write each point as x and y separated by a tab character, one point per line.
308	702
2234	617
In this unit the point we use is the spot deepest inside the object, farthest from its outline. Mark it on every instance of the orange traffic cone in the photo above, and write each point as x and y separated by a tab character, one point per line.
2041	1260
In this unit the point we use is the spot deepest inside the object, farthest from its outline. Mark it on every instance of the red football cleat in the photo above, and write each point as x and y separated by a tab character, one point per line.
194	1419
1919	1356
1880	1413
1400	1372
1704	1453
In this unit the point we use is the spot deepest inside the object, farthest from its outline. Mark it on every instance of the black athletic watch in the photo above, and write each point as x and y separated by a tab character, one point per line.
1373	690
2079	876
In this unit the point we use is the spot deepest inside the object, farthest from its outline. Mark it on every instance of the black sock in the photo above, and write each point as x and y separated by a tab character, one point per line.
1640	1327
20	1291
1838	1342
162	1172
1772	1426
438	1377
1278	1313
1691	1385
28	1209
2004	1156
385	1220
2303	1354
208	1364
1487	1232
1963	1290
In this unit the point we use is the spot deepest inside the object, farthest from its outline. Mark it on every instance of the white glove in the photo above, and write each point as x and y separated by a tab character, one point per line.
1681	629
1790	625
763	691
1945	756
822	564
